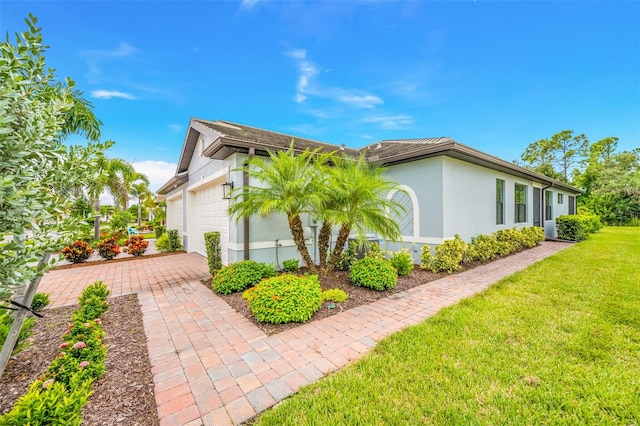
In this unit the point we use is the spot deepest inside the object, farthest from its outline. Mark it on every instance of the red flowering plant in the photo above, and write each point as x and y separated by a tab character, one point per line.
136	245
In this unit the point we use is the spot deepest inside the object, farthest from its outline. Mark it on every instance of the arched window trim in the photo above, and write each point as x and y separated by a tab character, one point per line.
414	204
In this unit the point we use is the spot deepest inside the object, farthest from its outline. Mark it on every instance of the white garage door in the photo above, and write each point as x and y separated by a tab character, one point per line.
210	215
175	214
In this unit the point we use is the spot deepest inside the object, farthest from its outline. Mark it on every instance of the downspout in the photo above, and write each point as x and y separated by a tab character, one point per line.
245	223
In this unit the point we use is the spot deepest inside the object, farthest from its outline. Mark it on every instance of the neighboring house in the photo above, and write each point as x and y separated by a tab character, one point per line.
448	188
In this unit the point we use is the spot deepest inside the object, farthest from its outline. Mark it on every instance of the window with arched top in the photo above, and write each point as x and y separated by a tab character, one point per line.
407	220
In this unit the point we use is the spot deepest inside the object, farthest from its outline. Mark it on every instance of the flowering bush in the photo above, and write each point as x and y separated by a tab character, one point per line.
136	245
77	252
108	248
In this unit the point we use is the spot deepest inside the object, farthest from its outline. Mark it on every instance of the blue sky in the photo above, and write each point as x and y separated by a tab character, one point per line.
493	75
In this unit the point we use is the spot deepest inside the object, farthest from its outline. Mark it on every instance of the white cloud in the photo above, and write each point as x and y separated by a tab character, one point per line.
390	121
175	128
248	4
361	101
96	58
108	94
158	172
307	86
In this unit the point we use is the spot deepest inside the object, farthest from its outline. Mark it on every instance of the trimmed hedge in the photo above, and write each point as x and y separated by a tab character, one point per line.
240	276
577	227
285	298
214	256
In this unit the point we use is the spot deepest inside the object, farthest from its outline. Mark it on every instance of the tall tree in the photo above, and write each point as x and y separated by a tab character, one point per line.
141	192
37	171
555	157
285	186
359	203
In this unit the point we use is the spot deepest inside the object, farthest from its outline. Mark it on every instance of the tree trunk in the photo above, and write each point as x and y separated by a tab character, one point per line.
139	214
295	224
324	241
343	236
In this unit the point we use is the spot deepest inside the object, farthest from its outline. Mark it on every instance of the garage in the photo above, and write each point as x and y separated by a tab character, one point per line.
209	215
175	211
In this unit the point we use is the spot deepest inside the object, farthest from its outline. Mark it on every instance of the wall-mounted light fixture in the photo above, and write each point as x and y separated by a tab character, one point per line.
227	187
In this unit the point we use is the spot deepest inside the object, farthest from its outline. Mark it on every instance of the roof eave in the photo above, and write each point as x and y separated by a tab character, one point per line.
173	183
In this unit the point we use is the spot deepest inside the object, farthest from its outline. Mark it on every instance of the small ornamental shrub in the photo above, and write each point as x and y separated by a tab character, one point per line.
509	241
483	248
159	230
285	298
240	276
40	301
108	248
214	256
426	257
532	236
403	261
169	242
77	252
291	265
5	326
136	245
448	257
92	308
334	295
347	257
373	273
577	227
98	289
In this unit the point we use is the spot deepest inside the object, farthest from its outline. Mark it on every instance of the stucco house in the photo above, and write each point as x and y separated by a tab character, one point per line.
449	188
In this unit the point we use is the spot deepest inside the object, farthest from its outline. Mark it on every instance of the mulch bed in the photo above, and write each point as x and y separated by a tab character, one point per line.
123	395
339	279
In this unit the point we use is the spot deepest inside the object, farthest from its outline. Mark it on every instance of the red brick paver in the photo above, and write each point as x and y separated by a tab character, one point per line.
212	366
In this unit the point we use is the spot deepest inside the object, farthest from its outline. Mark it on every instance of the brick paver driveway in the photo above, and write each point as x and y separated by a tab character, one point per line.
211	366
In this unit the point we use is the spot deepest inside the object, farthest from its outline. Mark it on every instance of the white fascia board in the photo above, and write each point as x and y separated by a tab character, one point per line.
208	180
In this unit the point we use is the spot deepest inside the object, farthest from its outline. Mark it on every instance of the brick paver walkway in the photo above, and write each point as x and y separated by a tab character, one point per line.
211	366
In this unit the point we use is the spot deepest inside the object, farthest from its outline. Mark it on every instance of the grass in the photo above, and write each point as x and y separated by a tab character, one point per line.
558	343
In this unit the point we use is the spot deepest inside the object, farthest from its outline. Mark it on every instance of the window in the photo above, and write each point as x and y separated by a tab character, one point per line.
499	202
406	219
560	198
548	201
520	198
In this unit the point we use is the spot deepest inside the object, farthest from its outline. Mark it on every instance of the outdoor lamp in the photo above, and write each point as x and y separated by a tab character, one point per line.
226	190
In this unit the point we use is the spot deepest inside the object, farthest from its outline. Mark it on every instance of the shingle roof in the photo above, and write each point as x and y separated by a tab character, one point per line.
385	149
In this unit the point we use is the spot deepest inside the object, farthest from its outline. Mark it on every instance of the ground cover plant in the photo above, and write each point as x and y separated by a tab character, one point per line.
557	343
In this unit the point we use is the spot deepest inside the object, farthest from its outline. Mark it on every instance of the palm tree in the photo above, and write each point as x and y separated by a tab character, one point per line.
140	191
358	203
287	187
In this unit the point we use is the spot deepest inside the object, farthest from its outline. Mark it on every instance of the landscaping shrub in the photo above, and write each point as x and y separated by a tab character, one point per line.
285	298
375	252
448	256
240	276
532	236
120	221
58	396
169	241
77	252
509	241
335	295
291	265
108	248
136	245
214	257
483	248
403	261
577	227
347	257
159	230
374	273
40	301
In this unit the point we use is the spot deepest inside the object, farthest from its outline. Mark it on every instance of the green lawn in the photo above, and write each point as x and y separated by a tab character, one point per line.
558	343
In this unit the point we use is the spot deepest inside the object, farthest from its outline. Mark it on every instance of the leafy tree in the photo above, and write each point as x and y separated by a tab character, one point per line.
286	186
37	171
563	150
